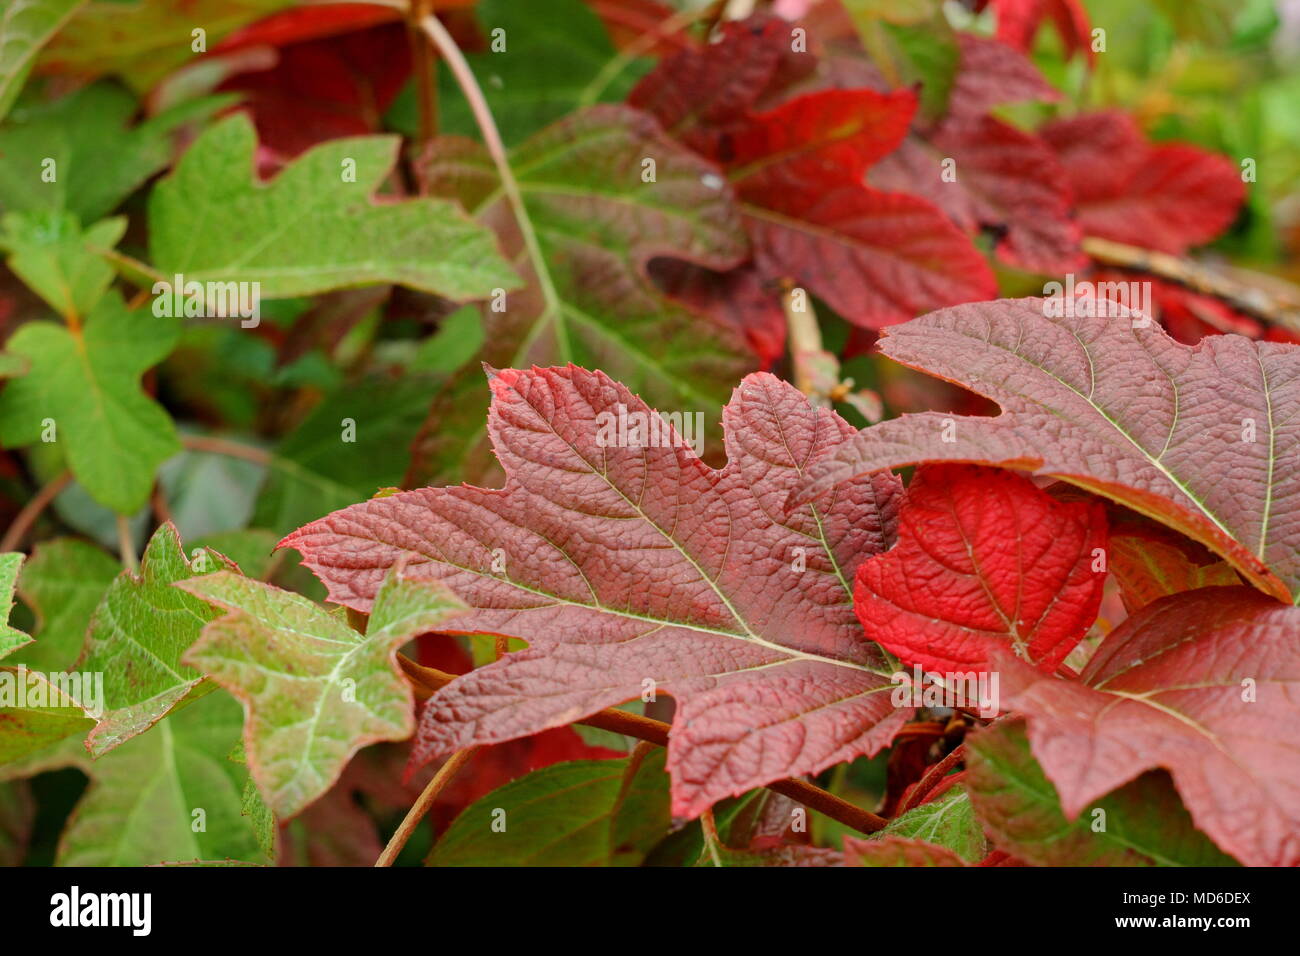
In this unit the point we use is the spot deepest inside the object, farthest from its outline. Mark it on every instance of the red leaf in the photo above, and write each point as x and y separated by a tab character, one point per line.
629	568
1019	20
985	560
1165	197
315	23
832	136
698	88
1007	181
1205	684
877	258
326	89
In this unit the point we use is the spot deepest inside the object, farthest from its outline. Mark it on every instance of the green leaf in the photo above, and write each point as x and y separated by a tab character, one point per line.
553	53
929	56
34	713
948	821
143	805
316	470
87	382
598	223
1143	823
25	27
80	154
58	261
252	549
10	637
315	691
580	813
63	583
310	230
137	636
17	814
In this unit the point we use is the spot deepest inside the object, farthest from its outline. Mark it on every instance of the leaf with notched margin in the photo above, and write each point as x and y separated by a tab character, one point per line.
1163	196
626	565
35	713
87	380
11	639
314	690
947	822
137	636
984	560
898	851
63	584
598	225
309	230
1204	684
1123	412
1144	822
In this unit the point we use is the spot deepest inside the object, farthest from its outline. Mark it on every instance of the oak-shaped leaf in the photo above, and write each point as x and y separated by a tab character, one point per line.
984	560
1204	684
1199	438
314	690
631	568
1141	823
137	636
315	226
83	387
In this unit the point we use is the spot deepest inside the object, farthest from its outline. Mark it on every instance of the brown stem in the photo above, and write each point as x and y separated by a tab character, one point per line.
423	69
805	340
32	510
931	779
427	680
220	446
430	793
1280	307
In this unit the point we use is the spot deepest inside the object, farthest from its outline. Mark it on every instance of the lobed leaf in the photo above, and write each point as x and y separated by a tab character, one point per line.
630	567
1197	438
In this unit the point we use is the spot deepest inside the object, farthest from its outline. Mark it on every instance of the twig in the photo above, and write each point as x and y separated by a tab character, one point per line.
931	779
709	827
32	510
427	680
478	105
220	446
1280	307
430	793
422	68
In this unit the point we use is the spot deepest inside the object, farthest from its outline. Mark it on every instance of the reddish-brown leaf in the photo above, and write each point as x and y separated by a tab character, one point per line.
1204	684
1199	438
634	567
